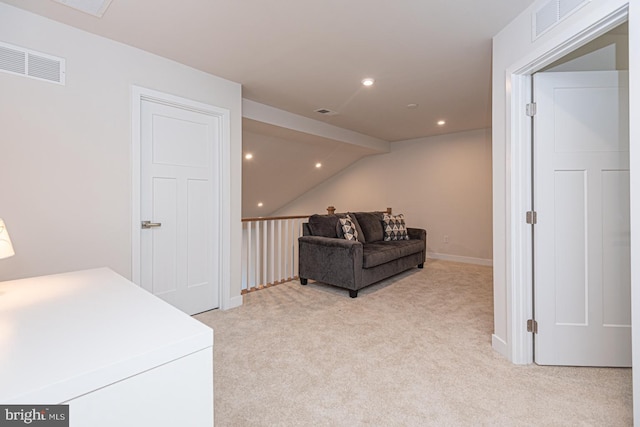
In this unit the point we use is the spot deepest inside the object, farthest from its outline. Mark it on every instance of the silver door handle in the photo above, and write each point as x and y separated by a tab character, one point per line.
149	224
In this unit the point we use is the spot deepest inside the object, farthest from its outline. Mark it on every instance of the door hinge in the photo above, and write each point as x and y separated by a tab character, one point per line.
532	326
532	217
531	109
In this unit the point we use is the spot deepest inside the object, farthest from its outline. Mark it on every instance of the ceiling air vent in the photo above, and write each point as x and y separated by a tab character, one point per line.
326	111
29	63
92	7
552	13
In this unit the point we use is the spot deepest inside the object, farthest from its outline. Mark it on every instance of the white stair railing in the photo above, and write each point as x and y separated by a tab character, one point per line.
270	251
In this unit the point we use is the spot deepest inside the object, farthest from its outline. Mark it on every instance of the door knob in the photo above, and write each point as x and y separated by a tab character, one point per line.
149	224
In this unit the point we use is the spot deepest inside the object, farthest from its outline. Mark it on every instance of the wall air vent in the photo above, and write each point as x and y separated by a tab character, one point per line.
552	13
29	63
326	112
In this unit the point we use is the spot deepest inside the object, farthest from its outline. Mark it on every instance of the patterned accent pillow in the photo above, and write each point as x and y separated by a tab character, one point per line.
394	227
348	228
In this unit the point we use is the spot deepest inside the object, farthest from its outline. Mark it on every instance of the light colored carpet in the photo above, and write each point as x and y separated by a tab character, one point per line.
414	350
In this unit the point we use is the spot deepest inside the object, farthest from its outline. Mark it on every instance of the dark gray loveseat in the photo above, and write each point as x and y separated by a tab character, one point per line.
326	256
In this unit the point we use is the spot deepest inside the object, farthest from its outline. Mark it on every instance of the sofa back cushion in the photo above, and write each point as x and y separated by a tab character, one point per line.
371	225
323	225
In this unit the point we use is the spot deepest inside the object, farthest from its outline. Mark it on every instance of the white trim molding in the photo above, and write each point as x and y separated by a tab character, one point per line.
498	344
459	258
233	302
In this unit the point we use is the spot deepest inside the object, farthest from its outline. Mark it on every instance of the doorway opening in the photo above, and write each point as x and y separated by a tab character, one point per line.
581	251
217	212
521	271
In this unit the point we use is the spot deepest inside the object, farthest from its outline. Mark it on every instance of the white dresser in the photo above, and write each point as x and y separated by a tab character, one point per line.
116	354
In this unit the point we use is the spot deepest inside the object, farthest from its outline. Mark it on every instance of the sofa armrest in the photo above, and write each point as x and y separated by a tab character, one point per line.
417	233
330	260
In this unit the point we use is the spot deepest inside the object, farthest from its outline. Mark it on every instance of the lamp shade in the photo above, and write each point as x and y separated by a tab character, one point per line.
6	248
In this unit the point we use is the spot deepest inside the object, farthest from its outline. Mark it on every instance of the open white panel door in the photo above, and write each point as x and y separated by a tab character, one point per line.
582	234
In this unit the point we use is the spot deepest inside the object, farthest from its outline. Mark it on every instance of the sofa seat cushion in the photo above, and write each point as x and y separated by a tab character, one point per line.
377	253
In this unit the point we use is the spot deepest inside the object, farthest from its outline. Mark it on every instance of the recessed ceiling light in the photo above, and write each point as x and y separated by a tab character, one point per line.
318	165
260	204
368	81
248	156
412	106
441	123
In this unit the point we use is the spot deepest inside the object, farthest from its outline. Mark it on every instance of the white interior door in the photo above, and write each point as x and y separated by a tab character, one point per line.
179	196
582	235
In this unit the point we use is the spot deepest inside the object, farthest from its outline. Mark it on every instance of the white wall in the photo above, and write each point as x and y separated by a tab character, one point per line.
65	151
441	183
609	52
634	129
514	52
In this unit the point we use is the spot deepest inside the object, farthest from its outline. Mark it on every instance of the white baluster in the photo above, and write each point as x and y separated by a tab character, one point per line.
256	256
297	234
243	257
265	253
249	255
279	250
273	256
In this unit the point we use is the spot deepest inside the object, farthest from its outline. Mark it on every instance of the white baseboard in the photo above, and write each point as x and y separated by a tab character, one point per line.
499	346
232	302
458	258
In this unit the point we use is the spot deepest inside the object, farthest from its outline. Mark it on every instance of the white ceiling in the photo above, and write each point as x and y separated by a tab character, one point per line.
299	55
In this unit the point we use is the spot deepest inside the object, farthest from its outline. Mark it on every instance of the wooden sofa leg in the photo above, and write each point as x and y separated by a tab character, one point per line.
353	294
303	281
421	265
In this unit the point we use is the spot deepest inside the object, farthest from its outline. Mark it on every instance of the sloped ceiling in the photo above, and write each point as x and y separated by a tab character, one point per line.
283	165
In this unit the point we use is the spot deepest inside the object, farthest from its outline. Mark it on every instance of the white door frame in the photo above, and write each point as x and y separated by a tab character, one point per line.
220	167
519	266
